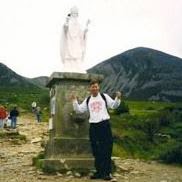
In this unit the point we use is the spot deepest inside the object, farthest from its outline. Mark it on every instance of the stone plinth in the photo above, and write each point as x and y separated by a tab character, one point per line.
68	147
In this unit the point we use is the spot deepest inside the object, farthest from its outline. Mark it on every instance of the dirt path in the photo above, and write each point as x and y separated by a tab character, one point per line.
16	161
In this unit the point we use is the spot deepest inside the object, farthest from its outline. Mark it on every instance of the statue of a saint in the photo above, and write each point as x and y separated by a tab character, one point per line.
73	43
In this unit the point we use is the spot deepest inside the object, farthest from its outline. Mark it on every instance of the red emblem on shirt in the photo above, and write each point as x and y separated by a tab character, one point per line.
96	106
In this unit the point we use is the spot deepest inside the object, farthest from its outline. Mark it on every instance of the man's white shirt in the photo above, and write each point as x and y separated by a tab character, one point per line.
96	107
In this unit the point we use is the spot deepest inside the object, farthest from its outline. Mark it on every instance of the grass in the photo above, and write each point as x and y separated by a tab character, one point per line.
148	131
144	108
23	98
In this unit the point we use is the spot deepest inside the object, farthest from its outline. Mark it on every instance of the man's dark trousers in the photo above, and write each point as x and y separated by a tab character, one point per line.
101	143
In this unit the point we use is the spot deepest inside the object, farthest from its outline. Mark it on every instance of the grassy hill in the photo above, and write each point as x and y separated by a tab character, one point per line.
23	97
19	91
151	130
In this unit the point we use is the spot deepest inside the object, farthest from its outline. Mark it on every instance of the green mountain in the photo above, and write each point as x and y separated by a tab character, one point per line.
21	91
142	73
40	81
10	79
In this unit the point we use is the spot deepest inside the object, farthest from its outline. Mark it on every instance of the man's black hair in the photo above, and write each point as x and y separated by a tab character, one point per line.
92	82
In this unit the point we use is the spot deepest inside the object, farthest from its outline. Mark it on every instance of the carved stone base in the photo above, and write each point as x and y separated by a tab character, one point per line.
68	147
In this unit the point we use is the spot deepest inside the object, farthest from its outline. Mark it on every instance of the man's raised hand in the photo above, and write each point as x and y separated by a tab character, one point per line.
118	95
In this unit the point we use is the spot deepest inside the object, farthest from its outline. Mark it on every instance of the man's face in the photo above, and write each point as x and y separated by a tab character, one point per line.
94	89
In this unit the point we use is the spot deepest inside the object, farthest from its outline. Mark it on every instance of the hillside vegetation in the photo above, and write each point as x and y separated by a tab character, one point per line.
151	130
20	91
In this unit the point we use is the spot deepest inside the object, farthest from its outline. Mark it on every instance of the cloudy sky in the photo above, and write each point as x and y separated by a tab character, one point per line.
30	30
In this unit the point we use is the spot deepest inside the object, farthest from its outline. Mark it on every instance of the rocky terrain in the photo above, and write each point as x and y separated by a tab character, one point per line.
16	155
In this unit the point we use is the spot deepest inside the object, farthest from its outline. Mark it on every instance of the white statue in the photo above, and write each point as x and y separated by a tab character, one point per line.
73	43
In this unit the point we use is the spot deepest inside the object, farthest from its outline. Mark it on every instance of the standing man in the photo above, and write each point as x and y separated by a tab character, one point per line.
38	114
13	115
100	130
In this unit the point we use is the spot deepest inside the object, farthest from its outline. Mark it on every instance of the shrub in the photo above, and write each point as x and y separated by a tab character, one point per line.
151	127
44	99
173	154
123	108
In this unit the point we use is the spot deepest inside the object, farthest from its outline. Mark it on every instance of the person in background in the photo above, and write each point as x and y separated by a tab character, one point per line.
34	105
14	113
3	115
6	120
38	114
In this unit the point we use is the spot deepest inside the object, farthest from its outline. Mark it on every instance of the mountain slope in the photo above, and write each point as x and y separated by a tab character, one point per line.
142	73
18	90
9	79
40	81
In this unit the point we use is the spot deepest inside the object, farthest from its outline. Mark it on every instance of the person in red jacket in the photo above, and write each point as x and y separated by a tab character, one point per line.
3	115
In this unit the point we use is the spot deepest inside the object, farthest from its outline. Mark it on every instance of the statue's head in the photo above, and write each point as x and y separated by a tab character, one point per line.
74	11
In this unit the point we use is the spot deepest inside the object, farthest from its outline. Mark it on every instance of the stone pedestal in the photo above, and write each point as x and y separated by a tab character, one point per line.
68	147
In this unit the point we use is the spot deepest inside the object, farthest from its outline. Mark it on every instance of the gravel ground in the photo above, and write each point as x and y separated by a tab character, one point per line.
16	161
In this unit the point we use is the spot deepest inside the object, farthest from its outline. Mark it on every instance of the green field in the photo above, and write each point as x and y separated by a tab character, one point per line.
23	98
151	130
